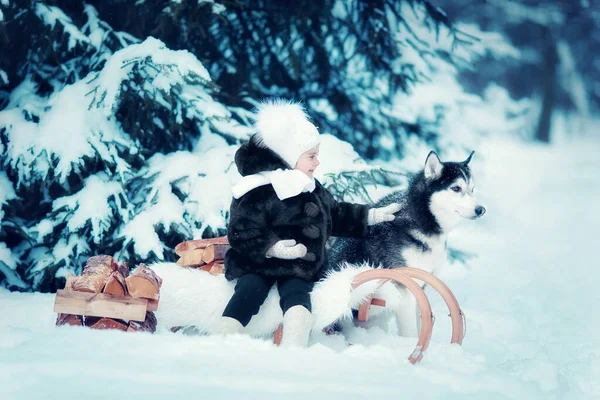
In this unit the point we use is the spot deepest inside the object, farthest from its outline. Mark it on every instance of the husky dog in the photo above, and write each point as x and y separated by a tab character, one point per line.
437	198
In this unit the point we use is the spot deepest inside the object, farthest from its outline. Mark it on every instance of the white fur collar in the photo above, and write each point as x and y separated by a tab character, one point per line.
287	183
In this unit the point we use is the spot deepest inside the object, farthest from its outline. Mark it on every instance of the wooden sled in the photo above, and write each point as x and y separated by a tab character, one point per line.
401	275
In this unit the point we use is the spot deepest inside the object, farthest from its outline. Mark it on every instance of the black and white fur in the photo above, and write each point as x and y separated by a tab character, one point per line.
437	198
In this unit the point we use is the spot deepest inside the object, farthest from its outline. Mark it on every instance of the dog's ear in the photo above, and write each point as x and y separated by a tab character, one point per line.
433	166
468	160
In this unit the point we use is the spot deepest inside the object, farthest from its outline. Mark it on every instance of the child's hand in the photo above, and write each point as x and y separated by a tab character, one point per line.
287	250
383	214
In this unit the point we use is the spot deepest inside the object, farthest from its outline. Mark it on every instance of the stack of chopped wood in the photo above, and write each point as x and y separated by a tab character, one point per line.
105	296
205	254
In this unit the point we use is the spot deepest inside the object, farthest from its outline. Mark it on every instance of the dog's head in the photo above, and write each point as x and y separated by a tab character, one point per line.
451	186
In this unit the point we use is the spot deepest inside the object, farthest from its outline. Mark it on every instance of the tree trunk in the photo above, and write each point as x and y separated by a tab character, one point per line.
550	65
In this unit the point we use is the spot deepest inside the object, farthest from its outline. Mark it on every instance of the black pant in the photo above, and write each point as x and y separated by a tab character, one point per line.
251	290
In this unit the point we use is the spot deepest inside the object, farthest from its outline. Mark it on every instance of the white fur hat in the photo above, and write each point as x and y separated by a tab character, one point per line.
283	127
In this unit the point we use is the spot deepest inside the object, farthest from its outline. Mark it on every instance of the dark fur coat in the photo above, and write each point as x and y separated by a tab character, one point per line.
259	219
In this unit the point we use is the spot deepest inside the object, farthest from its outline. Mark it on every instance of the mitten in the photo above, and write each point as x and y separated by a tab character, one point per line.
287	250
383	214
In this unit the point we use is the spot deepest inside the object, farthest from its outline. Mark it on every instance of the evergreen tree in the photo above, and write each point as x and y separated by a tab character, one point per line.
111	143
560	39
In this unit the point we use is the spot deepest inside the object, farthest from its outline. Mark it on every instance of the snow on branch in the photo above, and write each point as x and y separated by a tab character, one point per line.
57	137
8	266
52	15
160	97
180	194
96	208
7	192
126	157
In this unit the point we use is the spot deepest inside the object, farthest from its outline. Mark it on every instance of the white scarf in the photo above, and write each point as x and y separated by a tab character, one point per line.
287	183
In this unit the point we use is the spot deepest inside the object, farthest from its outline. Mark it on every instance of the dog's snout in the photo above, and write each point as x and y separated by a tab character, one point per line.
479	211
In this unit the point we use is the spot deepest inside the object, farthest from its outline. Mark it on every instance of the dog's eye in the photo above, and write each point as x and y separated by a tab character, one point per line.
456	189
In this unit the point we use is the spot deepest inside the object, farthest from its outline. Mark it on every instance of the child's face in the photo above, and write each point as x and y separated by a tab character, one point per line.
308	161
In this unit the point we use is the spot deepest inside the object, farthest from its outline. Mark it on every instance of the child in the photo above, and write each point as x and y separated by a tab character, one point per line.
280	220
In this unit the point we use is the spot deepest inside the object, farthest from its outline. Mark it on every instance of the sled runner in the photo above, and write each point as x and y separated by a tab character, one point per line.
191	256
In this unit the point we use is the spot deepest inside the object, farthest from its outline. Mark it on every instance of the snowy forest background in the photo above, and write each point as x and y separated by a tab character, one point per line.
119	119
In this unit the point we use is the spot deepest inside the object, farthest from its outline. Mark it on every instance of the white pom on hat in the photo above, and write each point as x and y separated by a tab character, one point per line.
284	127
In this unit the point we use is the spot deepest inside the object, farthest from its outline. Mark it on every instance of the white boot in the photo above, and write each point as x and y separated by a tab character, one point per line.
228	326
297	323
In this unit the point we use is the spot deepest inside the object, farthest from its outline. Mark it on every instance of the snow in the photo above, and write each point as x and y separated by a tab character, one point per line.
91	204
8	265
529	297
7	192
337	156
165	210
51	15
514	12
339	9
573	80
174	66
65	249
33	147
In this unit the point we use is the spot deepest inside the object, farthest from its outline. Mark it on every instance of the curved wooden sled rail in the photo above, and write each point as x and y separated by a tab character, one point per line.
456	314
423	302
385	275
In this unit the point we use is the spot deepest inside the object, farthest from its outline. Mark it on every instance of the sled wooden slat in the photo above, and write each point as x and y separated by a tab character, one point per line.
278	335
363	310
415	289
456	314
378	302
100	305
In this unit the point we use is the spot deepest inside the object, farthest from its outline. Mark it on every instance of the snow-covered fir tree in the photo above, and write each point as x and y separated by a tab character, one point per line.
118	130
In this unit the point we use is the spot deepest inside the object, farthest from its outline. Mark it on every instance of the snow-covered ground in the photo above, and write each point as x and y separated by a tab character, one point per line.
530	298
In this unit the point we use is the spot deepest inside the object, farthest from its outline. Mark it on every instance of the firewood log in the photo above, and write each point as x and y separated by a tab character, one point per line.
89	283
220	250
69	282
214	268
90	320
69	319
122	268
217	269
94	275
199	243
101	264
214	252
144	282
149	324
152	305
109	323
191	258
115	285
